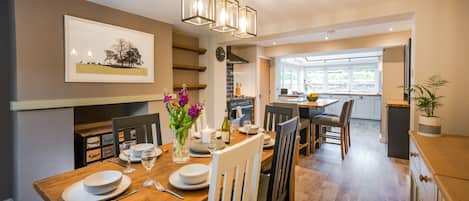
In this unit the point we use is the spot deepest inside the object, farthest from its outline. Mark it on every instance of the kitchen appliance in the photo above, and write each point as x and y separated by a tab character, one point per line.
247	108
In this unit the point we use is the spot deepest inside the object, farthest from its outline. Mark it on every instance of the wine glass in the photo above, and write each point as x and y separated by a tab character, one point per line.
212	145
127	149
148	161
247	125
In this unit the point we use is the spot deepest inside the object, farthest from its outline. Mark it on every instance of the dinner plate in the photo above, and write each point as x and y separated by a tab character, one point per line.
176	182
134	159
77	192
270	144
242	130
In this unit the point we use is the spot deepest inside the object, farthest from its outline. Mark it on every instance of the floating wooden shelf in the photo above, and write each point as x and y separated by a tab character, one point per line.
190	86
185	47
189	67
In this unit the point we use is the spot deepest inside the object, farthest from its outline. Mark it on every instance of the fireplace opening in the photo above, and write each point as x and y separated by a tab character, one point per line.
93	136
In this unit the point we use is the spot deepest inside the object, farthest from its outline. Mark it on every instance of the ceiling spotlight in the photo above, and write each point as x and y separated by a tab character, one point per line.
390	29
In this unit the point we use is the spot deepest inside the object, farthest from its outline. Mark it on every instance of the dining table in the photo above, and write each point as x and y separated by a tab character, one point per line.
51	188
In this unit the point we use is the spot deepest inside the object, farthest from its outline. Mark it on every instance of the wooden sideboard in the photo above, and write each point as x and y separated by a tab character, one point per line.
95	142
439	168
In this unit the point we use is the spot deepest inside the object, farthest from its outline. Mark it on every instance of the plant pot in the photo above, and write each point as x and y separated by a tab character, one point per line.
429	126
181	146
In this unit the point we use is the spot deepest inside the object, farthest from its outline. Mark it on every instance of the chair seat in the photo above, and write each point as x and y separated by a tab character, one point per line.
327	120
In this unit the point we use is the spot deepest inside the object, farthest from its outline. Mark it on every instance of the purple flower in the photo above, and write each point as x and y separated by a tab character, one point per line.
167	99
194	110
183	97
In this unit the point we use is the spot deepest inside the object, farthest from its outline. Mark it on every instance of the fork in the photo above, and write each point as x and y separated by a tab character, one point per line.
160	188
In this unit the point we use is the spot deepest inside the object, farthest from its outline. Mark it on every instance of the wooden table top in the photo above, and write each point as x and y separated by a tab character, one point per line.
51	188
320	103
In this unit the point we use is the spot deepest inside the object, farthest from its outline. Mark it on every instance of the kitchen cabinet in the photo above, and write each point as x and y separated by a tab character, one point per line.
365	106
438	168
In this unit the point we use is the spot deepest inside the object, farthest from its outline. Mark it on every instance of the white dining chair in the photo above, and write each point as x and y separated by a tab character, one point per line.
235	171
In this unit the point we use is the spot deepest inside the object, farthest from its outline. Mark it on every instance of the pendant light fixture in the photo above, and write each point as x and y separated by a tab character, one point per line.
226	16
247	23
198	12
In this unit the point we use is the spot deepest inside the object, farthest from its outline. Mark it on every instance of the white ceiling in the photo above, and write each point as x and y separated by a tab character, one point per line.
271	15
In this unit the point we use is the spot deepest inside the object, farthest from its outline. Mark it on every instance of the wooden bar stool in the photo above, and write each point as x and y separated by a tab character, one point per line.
341	122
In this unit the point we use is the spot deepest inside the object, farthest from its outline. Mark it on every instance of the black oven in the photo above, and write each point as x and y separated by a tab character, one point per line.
247	108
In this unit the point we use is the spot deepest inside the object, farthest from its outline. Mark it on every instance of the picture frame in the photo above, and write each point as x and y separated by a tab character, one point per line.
104	53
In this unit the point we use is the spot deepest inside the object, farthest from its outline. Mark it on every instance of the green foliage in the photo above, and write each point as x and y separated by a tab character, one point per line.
425	95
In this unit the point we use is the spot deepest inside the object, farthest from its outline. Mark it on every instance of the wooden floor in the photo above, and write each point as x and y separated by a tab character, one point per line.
366	174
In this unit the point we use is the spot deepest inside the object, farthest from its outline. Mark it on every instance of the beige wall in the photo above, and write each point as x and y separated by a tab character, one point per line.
40	50
392	79
379	40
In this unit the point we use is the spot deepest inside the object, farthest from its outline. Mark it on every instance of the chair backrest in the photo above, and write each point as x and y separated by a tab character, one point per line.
283	161
350	110
240	163
274	115
142	125
343	117
295	108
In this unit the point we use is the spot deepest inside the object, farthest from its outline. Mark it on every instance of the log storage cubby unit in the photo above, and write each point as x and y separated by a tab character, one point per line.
94	142
186	66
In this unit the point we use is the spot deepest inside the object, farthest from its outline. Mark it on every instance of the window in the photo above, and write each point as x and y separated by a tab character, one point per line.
344	76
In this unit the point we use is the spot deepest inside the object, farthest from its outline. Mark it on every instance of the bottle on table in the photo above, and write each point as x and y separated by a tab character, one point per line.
226	129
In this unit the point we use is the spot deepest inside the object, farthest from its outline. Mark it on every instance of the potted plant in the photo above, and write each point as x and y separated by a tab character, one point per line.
181	118
427	101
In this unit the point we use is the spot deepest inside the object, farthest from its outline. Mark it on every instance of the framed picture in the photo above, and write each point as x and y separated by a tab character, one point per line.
98	52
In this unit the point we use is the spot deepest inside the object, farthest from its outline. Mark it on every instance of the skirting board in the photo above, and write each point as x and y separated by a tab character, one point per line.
75	102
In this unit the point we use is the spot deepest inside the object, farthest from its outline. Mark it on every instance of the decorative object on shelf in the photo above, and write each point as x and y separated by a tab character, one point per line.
220	54
98	52
247	23
312	97
198	12
181	117
226	16
427	101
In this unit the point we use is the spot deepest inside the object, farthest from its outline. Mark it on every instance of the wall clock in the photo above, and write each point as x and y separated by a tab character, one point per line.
220	54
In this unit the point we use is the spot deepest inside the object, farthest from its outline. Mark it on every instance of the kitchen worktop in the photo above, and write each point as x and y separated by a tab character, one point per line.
397	103
447	158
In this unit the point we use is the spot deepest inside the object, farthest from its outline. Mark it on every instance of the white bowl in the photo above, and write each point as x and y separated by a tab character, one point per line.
252	129
194	173
102	182
139	148
267	138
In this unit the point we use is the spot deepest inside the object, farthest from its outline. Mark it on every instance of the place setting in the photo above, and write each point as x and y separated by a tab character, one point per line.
208	142
108	184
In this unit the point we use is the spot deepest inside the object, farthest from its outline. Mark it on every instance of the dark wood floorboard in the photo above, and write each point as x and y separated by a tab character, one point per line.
366	174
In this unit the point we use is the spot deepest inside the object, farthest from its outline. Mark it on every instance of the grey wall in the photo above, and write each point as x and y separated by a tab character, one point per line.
43	148
7	65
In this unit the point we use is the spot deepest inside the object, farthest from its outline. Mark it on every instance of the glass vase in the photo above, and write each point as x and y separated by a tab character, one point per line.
181	143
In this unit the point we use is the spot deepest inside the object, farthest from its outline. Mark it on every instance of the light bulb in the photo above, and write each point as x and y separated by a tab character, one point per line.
73	52
90	54
242	24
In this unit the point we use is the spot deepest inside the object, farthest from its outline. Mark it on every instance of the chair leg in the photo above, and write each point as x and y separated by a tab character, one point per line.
348	133
342	151
308	140
313	138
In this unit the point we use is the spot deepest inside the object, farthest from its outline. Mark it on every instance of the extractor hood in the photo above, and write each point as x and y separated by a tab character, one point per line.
232	58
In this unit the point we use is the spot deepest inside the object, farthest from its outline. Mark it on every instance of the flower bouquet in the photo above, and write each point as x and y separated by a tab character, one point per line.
181	117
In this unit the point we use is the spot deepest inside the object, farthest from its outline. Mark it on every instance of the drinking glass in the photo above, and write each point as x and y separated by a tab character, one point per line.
212	145
127	149
148	161
246	125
